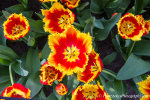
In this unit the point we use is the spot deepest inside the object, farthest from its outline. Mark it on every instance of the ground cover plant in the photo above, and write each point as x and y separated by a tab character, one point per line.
75	49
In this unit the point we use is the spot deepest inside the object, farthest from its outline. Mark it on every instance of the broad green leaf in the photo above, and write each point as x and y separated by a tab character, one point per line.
7	55
78	26
139	5
6	14
107	76
36	26
142	48
119	87
18	68
117	45
8	52
133	67
83	16
82	6
4	74
97	6
52	97
27	14
2	38
110	58
24	3
102	80
102	34
98	24
46	51
32	61
4	79
40	95
89	26
114	6
34	84
4	61
15	9
2	19
111	91
72	83
22	80
4	85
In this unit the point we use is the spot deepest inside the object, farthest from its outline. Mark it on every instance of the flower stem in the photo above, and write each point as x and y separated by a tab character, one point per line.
10	74
109	73
131	48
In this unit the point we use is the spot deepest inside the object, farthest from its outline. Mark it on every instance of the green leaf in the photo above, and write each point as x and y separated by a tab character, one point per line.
117	44
89	26
4	85
119	87
82	6
110	58
6	14
4	74
22	80
133	67
142	48
72	83
2	38
36	26
83	16
7	55
40	95
4	79
2	19
27	14
34	84
8	52
139	5
32	61
114	6
98	24
97	6
46	51
18	68
15	9
102	34
24	3
107	76
111	91
52	97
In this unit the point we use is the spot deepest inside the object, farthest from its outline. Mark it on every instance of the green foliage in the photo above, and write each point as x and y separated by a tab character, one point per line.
7	55
133	67
93	17
46	51
102	34
108	59
142	48
32	61
140	5
34	84
18	68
